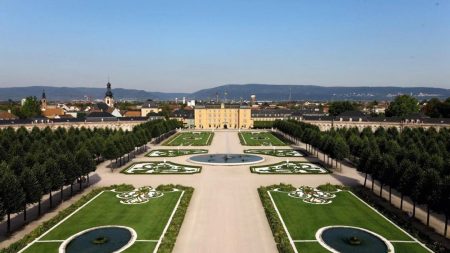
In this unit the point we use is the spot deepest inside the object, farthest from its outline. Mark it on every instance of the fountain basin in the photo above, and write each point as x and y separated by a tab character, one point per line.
105	239
347	239
226	159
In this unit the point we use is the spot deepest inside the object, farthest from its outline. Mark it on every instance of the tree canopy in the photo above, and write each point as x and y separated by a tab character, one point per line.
339	107
402	106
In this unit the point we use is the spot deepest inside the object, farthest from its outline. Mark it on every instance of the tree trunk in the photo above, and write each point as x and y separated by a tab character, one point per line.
365	180
62	193
373	182
81	182
51	199
8	227
446	225
39	207
25	212
390	194
381	189
401	201
428	215
88	182
71	189
414	209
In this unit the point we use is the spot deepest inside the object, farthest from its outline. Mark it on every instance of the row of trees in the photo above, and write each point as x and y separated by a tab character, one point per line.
416	162
38	162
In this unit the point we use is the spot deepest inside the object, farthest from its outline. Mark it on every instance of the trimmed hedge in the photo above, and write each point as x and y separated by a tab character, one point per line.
168	242
262	124
280	236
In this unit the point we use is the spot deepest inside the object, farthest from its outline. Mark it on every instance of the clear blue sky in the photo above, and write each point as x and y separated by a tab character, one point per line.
168	45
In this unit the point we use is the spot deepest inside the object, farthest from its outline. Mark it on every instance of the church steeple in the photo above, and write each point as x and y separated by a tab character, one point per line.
43	101
109	100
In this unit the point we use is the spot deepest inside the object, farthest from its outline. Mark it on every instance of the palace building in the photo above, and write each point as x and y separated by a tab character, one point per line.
212	116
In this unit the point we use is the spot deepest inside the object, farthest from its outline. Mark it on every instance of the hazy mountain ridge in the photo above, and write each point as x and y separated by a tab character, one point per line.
233	91
313	92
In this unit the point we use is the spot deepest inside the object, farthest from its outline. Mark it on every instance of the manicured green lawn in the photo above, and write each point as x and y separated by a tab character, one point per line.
148	220
260	139
303	220
190	139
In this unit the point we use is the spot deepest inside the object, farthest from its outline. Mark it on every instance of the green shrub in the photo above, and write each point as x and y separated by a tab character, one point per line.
170	237
280	236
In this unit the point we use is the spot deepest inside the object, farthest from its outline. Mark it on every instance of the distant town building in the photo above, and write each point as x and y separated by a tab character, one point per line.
7	115
149	107
213	116
184	116
132	114
51	111
191	103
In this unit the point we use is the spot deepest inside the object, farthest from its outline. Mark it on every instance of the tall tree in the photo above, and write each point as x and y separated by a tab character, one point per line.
402	106
31	188
338	107
55	175
85	162
11	193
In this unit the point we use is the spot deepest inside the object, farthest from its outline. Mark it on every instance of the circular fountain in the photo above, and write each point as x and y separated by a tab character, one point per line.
226	159
346	239
106	239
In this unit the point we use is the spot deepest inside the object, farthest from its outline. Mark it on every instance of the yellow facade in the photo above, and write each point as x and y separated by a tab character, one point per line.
223	116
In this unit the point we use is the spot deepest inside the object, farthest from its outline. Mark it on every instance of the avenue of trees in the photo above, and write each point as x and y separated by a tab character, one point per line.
415	161
38	162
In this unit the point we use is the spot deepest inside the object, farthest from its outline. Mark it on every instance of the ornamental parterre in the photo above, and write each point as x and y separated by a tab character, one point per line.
290	167
138	196
312	195
175	152
161	167
275	152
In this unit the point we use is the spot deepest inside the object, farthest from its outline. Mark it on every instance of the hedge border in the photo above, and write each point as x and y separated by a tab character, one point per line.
279	235
170	238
